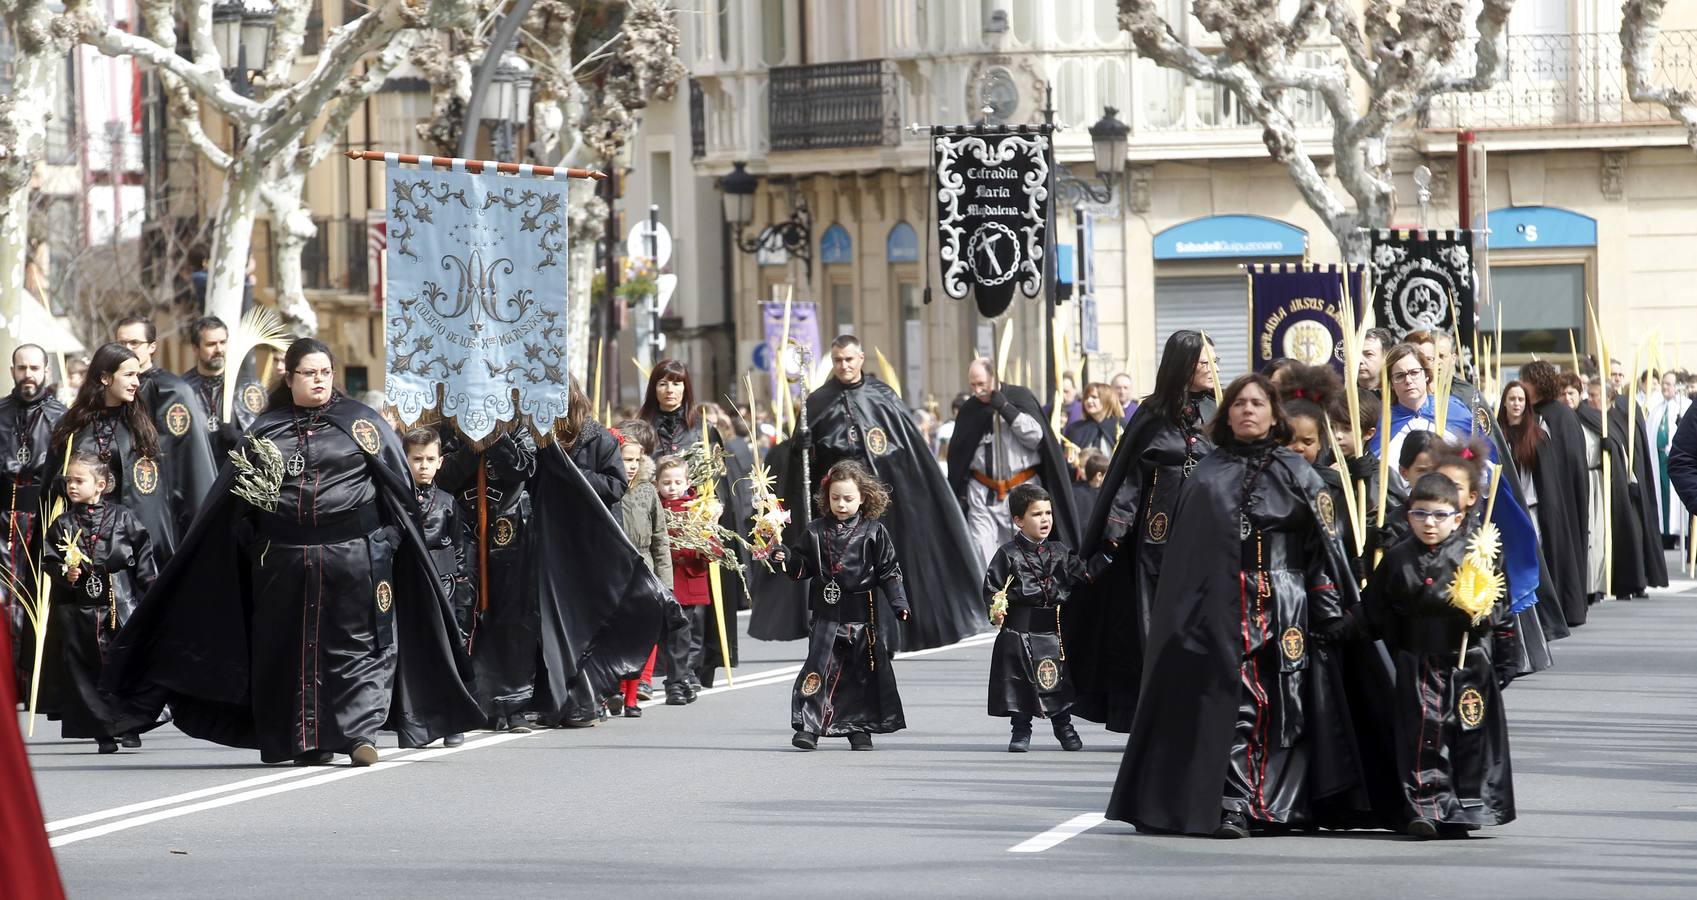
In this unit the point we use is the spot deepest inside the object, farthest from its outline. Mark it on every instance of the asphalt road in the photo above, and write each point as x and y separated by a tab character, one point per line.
711	801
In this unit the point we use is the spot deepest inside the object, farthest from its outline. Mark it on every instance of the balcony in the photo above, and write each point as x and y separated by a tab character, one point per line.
1567	81
697	121
834	106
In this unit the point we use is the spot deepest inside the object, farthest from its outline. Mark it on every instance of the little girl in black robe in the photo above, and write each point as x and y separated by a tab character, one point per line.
92	598
846	687
1451	736
1033	575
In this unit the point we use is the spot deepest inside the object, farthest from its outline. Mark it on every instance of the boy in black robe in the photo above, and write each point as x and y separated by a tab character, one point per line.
1028	580
446	535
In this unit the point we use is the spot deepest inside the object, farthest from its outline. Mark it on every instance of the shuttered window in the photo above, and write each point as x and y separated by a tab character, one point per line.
1216	305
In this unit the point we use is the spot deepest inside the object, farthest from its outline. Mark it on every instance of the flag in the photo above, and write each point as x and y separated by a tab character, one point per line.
993	202
1296	311
1425	280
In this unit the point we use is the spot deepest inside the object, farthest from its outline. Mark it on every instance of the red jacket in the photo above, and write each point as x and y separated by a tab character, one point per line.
689	568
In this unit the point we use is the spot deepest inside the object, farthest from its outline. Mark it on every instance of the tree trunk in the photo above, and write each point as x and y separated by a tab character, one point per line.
232	240
24	114
293	228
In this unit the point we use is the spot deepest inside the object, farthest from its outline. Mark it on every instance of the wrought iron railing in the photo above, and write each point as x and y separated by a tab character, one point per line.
834	105
697	121
1567	79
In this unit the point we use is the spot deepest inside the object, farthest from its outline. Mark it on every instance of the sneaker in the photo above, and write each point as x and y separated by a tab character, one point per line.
130	741
644	691
804	740
364	753
1421	829
1233	825
633	712
313	758
107	745
1021	743
860	740
676	695
1068	736
454	740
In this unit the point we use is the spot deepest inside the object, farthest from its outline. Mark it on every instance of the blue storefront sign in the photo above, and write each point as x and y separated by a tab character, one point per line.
1230	237
1527	227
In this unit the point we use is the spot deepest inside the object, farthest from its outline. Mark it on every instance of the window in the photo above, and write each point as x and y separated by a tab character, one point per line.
1540	304
725	28
772	31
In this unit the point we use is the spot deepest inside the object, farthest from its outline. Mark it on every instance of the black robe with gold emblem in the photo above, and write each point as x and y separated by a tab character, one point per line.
138	482
310	626
1028	665
186	464
250	400
26	471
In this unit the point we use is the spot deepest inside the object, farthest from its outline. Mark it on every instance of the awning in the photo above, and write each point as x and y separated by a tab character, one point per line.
35	325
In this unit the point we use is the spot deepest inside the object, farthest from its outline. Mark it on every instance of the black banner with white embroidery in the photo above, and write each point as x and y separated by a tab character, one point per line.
1425	280
993	203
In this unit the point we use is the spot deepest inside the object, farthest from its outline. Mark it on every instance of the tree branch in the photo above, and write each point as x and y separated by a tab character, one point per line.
1640	24
354	93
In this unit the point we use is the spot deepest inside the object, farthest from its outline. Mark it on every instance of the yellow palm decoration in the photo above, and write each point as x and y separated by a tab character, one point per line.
1478	585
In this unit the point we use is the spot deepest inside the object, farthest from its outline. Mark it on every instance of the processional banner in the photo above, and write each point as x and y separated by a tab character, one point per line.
1424	280
1296	311
993	203
476	298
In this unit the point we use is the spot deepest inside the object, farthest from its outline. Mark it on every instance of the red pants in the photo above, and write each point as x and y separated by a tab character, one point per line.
630	686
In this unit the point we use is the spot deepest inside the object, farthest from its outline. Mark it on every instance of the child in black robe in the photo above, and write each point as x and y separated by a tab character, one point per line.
1028	580
445	533
100	560
846	687
1451	735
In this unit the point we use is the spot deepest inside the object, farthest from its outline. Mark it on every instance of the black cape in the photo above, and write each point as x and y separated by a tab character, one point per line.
780	602
189	643
941	570
186	465
1563	482
974	420
1646	504
139	483
1028	664
24	477
1627	577
250	400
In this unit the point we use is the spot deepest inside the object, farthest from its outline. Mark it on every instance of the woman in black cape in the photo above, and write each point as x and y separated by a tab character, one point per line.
1109	619
1246	718
1563	484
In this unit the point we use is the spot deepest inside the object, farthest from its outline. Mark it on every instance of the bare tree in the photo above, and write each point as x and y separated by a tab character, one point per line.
1399	56
1640	25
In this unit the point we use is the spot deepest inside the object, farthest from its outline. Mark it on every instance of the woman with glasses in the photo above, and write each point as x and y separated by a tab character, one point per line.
1414	406
284	620
1244	722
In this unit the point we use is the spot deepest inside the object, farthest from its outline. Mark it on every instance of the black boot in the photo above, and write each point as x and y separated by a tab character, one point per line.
107	745
1021	741
804	740
1232	825
677	694
860	740
1067	735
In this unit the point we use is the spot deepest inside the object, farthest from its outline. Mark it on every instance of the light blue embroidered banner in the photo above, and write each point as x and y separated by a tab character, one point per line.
477	298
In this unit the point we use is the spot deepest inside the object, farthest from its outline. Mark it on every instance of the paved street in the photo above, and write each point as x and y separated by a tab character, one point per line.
710	801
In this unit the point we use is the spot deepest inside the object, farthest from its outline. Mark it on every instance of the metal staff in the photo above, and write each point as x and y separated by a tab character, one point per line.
474	166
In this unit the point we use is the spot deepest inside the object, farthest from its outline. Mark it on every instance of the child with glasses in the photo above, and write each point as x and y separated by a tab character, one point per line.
1451	736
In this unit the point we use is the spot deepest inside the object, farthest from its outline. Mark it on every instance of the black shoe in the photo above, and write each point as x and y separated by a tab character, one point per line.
860	740
590	722
633	712
107	745
454	740
1233	825
363	753
677	695
804	740
1021	743
1421	829
692	691
129	741
645	691
314	758
1068	736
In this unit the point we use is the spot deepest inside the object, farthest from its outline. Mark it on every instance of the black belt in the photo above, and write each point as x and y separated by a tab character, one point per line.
356	523
1034	619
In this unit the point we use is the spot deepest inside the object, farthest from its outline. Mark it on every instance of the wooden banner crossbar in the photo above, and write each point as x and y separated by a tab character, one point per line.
476	166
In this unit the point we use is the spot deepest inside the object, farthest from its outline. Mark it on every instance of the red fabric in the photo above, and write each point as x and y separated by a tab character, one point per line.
630	686
26	863
689	568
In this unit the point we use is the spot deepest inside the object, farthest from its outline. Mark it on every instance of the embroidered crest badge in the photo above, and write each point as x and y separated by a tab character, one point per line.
145	472
810	685
503	531
1470	708
365	435
253	397
385	596
1327	510
1158	527
1292	644
877	442
1048	674
177	419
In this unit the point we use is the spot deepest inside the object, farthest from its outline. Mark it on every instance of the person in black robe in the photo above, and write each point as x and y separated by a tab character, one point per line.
28	416
224	428
1451	737
1026	586
669	406
92	599
780	603
1099	427
1162	444
1563	484
1682	464
1646	506
1627	577
301	616
856	417
186	464
1246	716
446	535
846	687
595	454
1002	439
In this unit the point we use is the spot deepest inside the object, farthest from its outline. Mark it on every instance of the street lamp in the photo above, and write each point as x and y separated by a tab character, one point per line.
794	235
1108	138
242	34
507	107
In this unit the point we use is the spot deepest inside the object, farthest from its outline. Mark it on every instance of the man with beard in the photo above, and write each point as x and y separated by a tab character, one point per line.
186	464
211	337
1002	441
1374	346
27	418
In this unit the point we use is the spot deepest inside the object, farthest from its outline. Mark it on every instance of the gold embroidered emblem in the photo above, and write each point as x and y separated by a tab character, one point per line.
877	442
1292	644
253	397
503	531
1158	527
365	434
1328	511
1048	674
385	596
1470	707
1481	421
810	685
146	475
177	419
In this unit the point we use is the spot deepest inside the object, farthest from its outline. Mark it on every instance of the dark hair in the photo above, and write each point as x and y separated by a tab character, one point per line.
36	347
423	436
1316	384
874	496
300	349
1570	380
1382	335
639	431
1172	377
91	400
1469	457
1307	409
96	466
669	370
1097	464
152	331
1416	443
1278	365
1434	487
202	325
1367	405
570	428
1522	439
1398	354
1021	498
843	341
1220	430
1539	376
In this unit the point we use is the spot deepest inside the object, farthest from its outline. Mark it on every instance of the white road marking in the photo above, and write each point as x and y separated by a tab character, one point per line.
1071	828
284	782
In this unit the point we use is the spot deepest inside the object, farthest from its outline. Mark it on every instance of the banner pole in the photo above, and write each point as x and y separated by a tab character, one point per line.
474	166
